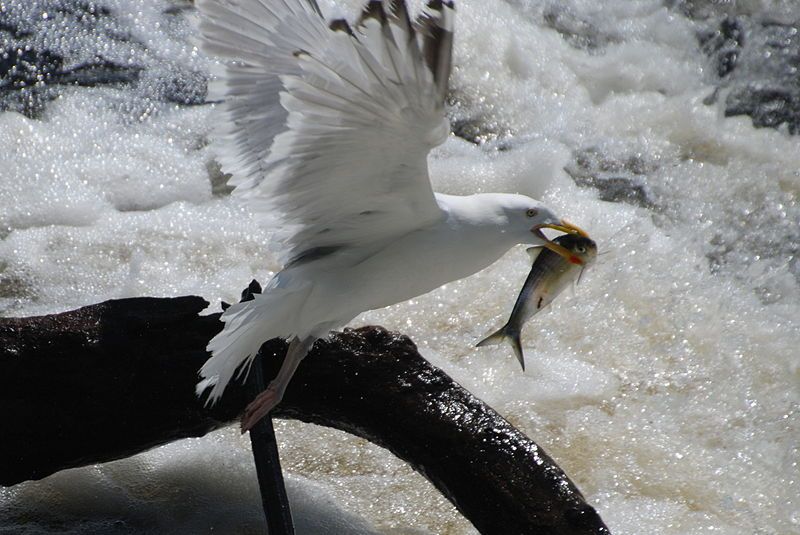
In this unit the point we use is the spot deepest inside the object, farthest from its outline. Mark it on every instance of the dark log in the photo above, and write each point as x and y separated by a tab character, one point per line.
113	379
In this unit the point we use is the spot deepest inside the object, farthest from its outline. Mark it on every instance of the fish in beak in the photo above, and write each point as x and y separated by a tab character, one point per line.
562	226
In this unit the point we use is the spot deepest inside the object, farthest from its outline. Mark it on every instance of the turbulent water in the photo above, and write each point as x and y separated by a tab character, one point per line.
666	385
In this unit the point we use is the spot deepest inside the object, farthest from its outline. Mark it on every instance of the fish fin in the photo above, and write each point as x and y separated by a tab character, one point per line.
494	338
517	345
577	282
503	335
534	251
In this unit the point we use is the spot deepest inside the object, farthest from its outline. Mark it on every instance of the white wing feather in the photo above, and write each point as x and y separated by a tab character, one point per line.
331	126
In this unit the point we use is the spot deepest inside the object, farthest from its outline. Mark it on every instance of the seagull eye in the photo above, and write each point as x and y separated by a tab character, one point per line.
531	212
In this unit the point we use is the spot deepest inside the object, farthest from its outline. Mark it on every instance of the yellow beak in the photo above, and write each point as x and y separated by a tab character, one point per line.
568	228
564	226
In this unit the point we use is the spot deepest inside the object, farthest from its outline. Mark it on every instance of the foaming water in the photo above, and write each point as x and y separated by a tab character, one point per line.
665	384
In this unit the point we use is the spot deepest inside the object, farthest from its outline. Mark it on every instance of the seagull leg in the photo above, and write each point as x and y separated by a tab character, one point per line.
266	400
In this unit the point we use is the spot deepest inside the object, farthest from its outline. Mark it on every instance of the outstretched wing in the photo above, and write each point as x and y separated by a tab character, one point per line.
330	125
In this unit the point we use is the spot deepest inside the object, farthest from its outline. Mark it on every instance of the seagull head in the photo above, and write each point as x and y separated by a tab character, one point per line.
527	217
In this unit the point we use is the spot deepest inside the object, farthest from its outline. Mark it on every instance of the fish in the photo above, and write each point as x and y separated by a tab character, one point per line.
550	273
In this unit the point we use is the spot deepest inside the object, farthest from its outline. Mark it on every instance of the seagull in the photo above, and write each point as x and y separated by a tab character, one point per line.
326	127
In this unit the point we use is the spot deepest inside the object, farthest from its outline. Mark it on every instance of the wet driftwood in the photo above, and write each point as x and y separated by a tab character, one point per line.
110	380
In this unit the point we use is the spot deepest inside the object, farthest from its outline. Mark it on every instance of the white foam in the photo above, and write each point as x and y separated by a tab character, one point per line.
190	486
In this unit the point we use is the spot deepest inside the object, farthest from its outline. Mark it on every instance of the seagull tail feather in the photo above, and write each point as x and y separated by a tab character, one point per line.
247	326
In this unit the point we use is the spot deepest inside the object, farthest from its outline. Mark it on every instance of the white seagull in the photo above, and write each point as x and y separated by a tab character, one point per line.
329	126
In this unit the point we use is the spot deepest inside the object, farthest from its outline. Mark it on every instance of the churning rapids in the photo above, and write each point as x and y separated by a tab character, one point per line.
672	397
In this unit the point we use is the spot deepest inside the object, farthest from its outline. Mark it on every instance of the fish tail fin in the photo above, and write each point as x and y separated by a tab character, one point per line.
494	338
517	346
505	334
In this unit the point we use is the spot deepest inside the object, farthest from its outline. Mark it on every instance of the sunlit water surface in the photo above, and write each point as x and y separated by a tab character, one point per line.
665	384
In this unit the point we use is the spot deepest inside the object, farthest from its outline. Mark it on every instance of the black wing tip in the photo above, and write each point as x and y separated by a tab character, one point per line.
436	27
341	25
398	10
373	10
315	7
439	4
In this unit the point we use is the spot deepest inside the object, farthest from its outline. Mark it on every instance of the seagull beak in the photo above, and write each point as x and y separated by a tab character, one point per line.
567	227
562	226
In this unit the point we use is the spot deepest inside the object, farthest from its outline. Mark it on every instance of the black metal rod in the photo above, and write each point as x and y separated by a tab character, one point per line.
265	450
268	464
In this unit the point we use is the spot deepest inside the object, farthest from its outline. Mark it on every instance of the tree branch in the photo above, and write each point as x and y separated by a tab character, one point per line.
113	379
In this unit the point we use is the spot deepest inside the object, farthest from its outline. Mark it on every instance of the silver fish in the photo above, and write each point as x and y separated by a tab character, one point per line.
550	273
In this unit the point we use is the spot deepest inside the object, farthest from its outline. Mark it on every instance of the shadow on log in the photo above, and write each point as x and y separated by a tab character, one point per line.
123	373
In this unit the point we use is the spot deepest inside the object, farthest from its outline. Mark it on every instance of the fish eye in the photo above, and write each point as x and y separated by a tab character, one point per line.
580	249
531	212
